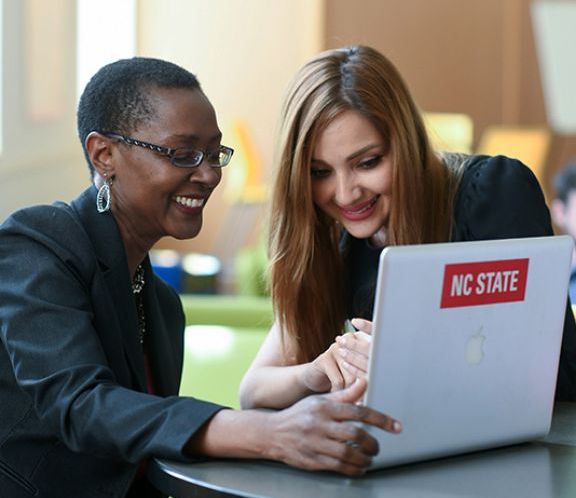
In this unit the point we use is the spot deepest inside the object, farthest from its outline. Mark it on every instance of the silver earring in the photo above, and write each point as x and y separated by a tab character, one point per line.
104	197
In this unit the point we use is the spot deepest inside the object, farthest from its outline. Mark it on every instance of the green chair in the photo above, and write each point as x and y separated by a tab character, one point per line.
215	360
233	311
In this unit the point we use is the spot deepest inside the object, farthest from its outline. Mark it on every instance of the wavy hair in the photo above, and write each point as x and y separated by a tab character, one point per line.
306	272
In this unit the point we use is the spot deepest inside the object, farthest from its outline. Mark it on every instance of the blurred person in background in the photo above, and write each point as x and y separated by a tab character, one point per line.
563	209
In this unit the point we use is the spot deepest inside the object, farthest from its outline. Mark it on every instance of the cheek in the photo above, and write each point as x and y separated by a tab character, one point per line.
387	183
320	192
217	176
159	180
380	183
143	178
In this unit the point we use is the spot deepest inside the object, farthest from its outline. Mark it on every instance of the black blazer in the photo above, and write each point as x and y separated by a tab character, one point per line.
75	418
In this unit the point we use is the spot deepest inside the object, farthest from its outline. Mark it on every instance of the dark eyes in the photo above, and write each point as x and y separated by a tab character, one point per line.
369	163
319	172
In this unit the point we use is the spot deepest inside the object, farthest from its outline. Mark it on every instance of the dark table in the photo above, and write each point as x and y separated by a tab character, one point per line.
541	469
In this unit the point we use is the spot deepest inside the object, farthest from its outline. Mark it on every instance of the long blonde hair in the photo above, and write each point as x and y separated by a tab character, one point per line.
306	272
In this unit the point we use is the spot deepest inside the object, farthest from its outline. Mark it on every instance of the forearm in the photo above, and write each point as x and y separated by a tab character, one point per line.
273	386
232	434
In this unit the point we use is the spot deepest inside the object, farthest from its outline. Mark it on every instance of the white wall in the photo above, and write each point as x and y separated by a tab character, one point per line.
554	28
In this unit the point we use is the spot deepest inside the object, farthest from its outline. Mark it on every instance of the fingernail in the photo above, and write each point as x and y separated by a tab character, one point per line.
397	426
342	352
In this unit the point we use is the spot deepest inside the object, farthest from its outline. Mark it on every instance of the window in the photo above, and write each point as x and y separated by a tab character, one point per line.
98	46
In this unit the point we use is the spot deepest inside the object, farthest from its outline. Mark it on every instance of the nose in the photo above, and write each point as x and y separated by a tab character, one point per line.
346	190
205	174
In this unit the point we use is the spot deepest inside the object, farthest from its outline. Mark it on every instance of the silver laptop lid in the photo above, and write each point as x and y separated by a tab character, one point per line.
466	344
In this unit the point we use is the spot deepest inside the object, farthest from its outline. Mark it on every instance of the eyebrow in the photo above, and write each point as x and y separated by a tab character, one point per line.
355	154
363	150
193	138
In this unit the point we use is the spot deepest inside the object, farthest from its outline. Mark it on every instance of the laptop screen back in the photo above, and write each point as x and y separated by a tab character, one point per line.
466	344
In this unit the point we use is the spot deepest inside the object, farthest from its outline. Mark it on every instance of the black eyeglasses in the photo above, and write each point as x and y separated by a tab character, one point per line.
182	157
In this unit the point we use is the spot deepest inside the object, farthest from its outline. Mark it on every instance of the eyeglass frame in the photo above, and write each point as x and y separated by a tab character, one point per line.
170	152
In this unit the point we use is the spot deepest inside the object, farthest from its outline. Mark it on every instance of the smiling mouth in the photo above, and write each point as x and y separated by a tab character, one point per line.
190	202
362	209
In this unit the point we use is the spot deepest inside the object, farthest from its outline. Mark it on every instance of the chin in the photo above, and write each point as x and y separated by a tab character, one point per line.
188	233
361	232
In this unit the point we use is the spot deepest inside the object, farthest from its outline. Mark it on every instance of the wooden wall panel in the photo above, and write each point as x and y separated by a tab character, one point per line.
476	57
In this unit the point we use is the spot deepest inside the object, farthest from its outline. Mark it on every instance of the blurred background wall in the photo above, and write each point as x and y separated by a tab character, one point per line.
488	60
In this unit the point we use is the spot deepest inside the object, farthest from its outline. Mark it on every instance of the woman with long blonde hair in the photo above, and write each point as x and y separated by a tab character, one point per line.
356	172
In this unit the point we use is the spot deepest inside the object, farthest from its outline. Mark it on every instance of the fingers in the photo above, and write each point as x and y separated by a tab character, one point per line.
351	394
346	409
335	375
351	457
354	351
334	456
366	415
324	373
339	366
361	324
358	341
355	437
345	441
325	432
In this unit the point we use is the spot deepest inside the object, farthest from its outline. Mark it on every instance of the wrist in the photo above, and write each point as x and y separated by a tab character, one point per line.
313	380
232	434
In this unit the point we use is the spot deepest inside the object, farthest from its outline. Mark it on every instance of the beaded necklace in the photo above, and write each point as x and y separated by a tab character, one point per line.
137	286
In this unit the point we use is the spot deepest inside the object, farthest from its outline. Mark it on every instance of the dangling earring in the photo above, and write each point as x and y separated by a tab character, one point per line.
104	196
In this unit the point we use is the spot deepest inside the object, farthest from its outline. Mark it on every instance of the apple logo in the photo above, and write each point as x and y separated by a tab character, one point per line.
474	348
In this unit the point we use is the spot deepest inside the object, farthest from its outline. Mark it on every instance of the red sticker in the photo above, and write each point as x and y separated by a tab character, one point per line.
485	282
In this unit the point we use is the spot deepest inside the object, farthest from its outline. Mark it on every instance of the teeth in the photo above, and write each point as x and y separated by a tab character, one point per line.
366	208
189	201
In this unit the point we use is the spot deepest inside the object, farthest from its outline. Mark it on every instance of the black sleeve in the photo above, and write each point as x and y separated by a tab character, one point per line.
500	198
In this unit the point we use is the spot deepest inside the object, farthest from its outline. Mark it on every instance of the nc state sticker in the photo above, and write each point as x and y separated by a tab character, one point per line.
484	282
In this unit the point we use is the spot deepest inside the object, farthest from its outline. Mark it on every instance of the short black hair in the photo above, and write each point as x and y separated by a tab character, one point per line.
565	181
116	99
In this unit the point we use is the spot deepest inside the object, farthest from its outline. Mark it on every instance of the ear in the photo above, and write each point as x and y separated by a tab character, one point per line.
99	150
557	209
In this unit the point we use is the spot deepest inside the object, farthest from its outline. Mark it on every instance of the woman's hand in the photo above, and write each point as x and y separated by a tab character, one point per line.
354	348
317	434
343	362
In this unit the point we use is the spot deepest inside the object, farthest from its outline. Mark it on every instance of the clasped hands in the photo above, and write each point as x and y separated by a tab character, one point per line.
343	362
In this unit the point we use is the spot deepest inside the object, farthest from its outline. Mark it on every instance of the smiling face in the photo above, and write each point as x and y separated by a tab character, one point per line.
352	174
152	198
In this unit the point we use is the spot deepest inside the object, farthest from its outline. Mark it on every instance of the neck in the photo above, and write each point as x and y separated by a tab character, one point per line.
135	245
136	250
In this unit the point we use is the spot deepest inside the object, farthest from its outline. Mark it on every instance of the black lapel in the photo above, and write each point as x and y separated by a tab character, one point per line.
109	248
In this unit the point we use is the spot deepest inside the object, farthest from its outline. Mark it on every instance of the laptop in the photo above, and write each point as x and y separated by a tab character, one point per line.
466	344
